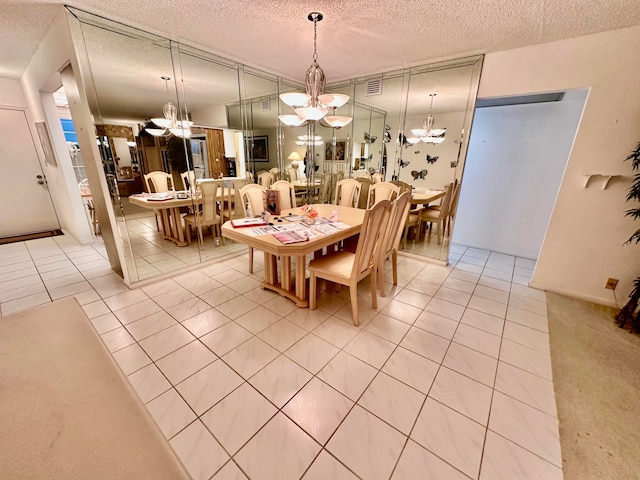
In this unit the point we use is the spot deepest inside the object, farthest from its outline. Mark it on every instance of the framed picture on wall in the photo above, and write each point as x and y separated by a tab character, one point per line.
260	150
341	146
45	141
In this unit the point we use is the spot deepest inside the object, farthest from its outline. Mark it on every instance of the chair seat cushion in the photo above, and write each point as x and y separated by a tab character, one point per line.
338	264
430	213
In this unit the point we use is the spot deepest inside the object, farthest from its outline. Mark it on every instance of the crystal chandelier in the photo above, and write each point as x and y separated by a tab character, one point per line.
314	105
170	124
427	133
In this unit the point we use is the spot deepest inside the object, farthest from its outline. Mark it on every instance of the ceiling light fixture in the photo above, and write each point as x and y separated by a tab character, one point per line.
427	133
314	105
170	123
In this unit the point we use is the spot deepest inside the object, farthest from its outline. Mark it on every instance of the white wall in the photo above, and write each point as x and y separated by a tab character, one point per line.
52	55
516	159
583	243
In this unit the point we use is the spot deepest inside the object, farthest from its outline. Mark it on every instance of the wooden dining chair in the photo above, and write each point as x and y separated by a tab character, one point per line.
253	199
158	181
188	179
404	186
438	215
382	191
265	179
287	194
209	214
365	185
347	192
392	237
347	268
377	178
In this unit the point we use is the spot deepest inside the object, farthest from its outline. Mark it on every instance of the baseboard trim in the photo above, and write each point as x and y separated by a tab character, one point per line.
569	293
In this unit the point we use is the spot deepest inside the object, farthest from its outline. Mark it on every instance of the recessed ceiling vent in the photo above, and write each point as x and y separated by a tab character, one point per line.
374	87
265	104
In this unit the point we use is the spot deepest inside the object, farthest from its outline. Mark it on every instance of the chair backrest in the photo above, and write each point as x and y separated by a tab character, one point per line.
255	196
365	183
382	191
348	192
287	194
325	187
188	179
377	178
293	174
157	181
373	229
238	210
454	200
446	201
265	179
396	224
404	187
212	193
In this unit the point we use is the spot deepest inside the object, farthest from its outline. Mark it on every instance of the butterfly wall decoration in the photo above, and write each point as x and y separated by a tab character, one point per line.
431	160
387	135
369	138
403	140
421	174
404	164
454	164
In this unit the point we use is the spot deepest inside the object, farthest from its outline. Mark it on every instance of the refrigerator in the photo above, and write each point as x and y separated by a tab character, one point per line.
199	157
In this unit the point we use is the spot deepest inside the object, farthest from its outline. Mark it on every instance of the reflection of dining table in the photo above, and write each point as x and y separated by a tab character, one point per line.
169	213
425	196
169	209
273	248
302	184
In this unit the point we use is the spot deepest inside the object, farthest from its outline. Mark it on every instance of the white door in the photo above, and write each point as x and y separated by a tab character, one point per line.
24	196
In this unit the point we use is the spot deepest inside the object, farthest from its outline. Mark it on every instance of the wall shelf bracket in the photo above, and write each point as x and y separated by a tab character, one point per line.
606	178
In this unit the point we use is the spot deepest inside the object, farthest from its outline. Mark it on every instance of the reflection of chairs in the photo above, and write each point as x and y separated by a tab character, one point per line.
237	210
325	187
404	187
209	215
287	194
253	198
188	179
265	179
347	192
391	240
158	181
438	215
365	183
292	173
346	268
377	178
382	191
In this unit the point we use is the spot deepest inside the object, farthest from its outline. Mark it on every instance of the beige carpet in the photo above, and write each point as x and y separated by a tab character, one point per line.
66	410
596	372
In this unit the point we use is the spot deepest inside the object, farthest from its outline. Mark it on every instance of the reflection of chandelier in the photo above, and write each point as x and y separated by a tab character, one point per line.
170	123
314	104
309	140
427	133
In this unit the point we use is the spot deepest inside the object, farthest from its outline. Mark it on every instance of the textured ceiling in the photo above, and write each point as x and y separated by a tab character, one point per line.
356	38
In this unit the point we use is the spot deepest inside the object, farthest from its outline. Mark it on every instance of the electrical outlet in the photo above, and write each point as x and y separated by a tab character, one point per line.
612	283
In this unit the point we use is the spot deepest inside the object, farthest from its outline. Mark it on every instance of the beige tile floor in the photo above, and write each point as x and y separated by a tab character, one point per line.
449	379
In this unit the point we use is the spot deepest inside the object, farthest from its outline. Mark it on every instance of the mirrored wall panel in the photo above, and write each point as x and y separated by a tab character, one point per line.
180	129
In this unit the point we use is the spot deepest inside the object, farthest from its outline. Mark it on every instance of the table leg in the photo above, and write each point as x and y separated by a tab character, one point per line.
286	273
301	278
177	232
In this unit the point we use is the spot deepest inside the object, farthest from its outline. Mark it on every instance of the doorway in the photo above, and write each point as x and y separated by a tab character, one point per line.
518	151
23	186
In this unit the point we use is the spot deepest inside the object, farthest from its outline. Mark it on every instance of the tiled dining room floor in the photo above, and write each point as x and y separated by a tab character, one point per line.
449	379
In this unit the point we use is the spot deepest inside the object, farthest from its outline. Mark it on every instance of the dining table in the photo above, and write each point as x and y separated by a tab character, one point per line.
273	248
